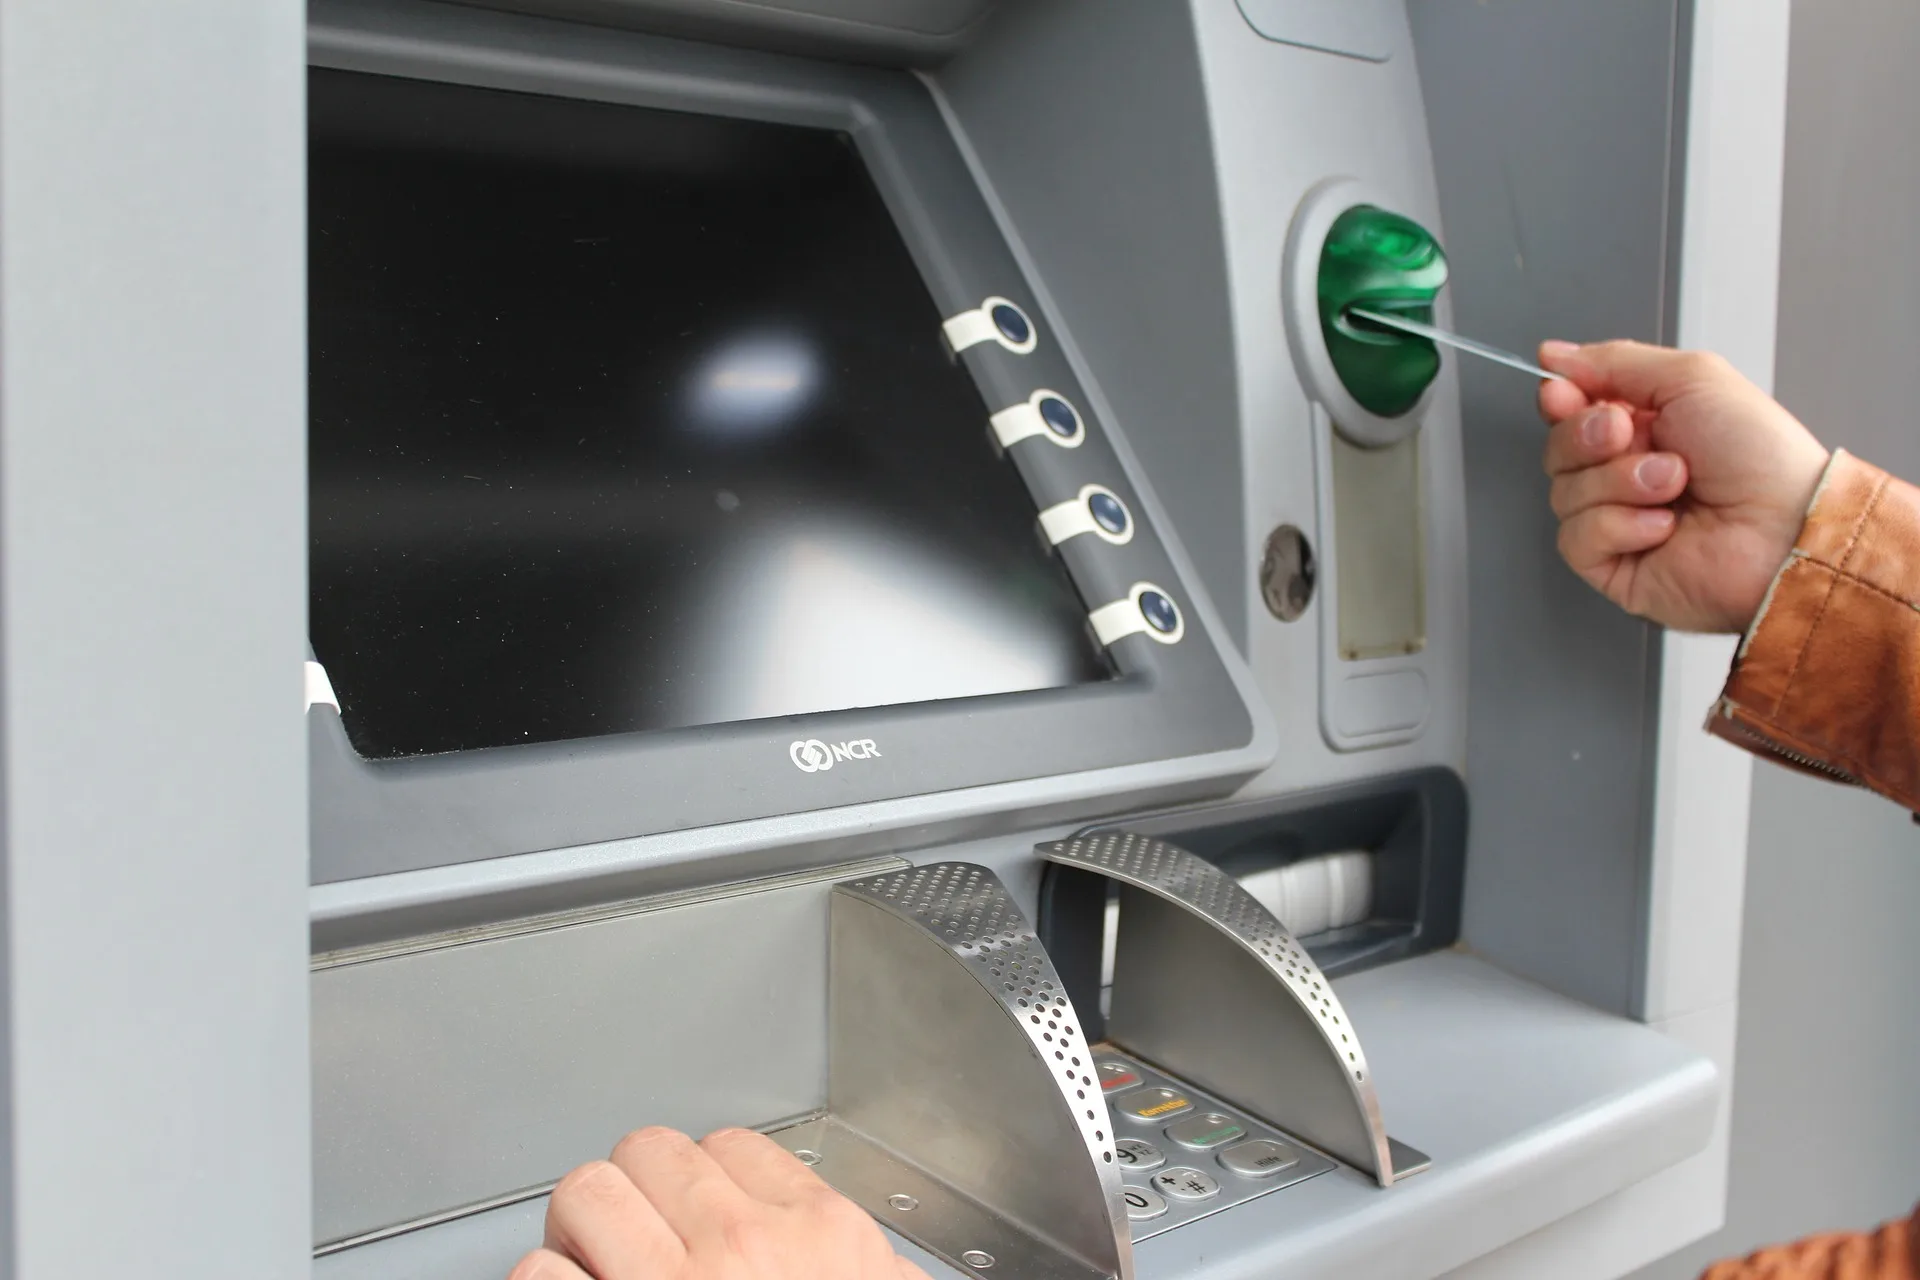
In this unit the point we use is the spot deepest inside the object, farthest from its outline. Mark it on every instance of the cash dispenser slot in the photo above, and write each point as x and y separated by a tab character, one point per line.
1410	827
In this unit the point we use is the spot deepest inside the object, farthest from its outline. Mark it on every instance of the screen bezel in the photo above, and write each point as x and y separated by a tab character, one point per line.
1052	750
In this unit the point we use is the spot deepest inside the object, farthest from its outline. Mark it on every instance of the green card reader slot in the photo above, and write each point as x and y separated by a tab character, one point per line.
1383	262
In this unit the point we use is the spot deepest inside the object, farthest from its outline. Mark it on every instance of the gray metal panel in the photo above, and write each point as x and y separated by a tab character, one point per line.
403	815
152	604
1824	1108
1330	26
1531	1105
1100	154
902	32
1560	739
471	1068
1266	162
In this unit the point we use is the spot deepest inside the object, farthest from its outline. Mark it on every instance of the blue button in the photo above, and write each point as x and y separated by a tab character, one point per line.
1159	612
1059	417
1108	514
1011	323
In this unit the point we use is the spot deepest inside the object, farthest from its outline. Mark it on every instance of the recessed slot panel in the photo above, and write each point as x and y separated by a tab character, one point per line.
1380	556
450	1071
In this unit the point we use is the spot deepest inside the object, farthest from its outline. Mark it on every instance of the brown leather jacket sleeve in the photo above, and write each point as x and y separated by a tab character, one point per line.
1828	677
1891	1253
1828	680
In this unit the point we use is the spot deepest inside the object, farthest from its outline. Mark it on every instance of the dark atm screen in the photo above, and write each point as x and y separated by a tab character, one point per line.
626	419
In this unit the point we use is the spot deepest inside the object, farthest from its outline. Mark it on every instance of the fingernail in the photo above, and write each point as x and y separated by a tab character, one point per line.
1656	471
1654	518
1594	427
1554	349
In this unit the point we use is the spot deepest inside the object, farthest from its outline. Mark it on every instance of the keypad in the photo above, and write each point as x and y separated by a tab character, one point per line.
1220	1157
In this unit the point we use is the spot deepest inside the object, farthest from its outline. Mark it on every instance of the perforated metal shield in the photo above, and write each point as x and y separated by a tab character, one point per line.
1304	1104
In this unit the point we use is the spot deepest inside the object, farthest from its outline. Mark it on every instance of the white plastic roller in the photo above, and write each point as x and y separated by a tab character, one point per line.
1310	896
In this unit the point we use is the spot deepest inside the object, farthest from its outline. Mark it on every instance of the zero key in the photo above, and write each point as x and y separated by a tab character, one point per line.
1142	1205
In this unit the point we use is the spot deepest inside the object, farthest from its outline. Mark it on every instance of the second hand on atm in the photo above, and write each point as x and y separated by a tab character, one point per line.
1453	340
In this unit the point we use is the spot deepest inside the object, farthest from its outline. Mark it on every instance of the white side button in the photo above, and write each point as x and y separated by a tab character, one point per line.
320	689
1146	611
994	320
1096	510
1046	414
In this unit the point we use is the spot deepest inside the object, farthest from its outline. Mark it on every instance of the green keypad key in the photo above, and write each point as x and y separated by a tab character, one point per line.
1205	1131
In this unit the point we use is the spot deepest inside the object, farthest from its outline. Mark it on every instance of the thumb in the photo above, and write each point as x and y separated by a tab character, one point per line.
1643	376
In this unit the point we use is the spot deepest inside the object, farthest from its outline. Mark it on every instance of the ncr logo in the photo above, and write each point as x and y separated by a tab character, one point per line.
815	756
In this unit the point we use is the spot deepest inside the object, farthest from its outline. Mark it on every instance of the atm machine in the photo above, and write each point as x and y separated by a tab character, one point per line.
861	580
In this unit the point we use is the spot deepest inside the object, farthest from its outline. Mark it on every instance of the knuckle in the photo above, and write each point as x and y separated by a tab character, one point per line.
534	1266
595	1185
732	1140
1706	365
650	1142
525	1269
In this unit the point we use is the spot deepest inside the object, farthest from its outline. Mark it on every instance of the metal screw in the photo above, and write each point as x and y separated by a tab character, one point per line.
805	1156
978	1259
903	1202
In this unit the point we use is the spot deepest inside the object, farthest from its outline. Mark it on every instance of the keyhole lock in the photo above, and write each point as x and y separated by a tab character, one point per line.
1287	573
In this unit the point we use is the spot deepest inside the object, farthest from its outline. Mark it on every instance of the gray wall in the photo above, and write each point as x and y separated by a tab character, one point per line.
153	1093
1826	1119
